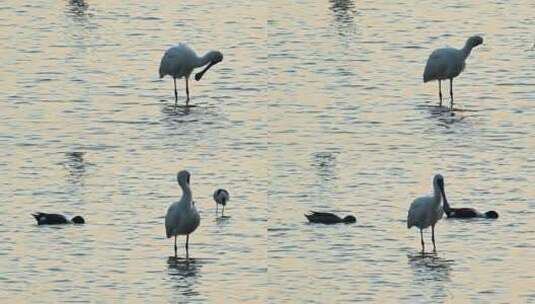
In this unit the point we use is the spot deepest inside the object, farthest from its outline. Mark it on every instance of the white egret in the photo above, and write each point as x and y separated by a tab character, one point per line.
182	217
179	61
221	197
426	211
448	63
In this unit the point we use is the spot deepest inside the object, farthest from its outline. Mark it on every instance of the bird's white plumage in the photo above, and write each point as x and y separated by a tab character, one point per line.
443	64
426	211
179	61
182	217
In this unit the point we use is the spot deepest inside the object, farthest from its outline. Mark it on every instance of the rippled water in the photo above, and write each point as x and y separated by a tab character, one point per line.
82	76
317	105
354	130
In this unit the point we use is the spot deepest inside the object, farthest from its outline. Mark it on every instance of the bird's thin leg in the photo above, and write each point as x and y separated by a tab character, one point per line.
433	237
440	93
451	94
187	91
422	238
216	208
175	247
187	251
176	93
222	212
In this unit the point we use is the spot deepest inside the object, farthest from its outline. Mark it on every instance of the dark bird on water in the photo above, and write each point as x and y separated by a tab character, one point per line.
329	218
56	219
467	212
221	197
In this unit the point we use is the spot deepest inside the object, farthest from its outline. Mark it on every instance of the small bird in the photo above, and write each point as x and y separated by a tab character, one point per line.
182	217
426	211
328	218
221	197
55	219
448	63
467	212
179	61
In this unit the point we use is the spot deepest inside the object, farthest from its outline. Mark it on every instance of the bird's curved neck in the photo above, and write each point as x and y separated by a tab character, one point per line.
202	61
186	192
466	50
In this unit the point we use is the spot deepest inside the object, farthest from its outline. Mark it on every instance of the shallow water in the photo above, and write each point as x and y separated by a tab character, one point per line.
317	105
354	130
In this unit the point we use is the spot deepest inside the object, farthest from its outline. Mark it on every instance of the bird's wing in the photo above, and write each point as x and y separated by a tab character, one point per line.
436	66
416	211
171	220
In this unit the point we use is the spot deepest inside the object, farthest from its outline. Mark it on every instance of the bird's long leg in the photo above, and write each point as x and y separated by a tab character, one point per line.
433	237
176	93
222	212
422	239
187	91
216	208
451	94
187	251
175	248
440	93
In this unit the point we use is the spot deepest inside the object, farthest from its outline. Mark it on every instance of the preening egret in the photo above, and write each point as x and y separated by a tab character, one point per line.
179	61
182	217
466	212
55	219
328	218
426	211
448	63
221	197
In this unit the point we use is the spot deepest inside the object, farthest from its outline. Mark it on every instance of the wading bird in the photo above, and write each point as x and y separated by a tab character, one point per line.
182	217
425	211
179	61
221	197
448	63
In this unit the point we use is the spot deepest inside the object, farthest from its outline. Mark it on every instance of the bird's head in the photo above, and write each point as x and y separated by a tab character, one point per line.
474	41
214	57
491	214
350	219
183	177
78	220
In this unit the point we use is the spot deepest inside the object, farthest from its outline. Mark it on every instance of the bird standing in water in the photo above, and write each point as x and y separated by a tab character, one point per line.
221	197
426	211
182	217
179	61
448	63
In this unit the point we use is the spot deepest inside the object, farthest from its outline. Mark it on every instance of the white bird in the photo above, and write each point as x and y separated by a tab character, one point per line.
448	63
426	211
179	61
221	197
182	217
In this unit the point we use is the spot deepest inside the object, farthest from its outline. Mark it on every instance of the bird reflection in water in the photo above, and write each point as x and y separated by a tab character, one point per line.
77	8
75	165
344	14
430	266
184	274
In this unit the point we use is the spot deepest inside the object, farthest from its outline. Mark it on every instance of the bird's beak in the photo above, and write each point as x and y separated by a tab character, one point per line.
199	75
443	193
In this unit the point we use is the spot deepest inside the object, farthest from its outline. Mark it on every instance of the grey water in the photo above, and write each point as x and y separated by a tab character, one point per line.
317	105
